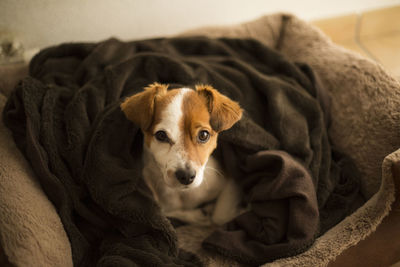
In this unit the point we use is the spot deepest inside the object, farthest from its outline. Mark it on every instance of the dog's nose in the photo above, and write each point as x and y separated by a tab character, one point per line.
185	176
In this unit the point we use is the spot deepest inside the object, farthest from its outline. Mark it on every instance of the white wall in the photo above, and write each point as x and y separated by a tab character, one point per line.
39	23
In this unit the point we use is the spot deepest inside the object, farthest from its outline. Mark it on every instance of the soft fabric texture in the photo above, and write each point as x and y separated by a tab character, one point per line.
365	123
64	118
10	75
31	233
365	120
382	247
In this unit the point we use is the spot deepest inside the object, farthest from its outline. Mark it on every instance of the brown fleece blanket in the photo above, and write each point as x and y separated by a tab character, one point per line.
64	118
364	124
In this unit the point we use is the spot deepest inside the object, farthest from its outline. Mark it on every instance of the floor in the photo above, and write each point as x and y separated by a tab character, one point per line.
375	34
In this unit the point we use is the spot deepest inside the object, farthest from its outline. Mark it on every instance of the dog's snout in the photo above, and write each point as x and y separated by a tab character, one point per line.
185	176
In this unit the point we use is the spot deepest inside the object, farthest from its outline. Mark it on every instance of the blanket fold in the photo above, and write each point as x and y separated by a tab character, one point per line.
281	221
66	118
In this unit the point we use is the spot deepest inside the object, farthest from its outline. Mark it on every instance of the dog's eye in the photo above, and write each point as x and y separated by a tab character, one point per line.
161	136
203	136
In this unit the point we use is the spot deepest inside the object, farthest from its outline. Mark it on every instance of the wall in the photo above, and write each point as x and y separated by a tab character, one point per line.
39	23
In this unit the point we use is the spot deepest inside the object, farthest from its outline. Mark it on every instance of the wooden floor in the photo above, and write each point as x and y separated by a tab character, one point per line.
375	34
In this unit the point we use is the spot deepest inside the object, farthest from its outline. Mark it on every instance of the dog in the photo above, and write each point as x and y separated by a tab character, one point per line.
180	129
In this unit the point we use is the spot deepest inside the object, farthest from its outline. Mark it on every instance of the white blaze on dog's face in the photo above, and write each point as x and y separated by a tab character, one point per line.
180	128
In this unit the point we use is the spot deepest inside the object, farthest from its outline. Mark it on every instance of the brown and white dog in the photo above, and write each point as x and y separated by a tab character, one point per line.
180	128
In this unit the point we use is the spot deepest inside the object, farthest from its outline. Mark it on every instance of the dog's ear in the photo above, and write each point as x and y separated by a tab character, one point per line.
139	108
224	112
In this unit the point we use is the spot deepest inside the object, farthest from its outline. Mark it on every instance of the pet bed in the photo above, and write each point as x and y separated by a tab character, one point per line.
280	32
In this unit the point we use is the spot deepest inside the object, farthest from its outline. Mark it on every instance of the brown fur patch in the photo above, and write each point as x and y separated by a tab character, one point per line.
139	108
224	112
203	109
196	117
159	106
145	108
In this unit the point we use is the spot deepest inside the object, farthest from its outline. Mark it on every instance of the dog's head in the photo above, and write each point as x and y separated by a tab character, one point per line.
180	128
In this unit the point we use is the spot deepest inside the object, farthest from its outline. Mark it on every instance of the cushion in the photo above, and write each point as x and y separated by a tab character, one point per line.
364	125
364	122
31	233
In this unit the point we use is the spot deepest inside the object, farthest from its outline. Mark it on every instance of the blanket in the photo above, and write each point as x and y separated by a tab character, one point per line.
66	119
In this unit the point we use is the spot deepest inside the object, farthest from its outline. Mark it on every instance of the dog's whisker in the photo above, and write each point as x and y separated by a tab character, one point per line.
205	181
215	170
